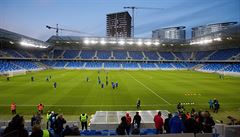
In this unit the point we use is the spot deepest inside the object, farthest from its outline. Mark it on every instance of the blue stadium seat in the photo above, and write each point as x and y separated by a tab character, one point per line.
70	54
151	55
87	54
167	55
120	54
104	54
136	55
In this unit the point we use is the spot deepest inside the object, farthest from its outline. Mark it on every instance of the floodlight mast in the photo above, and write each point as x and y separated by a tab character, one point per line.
133	10
74	31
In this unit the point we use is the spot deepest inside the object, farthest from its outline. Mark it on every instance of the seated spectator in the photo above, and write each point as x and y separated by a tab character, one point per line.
190	124
122	127
16	128
135	130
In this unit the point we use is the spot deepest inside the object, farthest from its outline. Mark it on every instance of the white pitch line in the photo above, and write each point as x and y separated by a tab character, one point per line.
149	89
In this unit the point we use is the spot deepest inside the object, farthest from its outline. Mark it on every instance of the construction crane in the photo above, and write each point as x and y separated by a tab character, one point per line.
133	8
74	31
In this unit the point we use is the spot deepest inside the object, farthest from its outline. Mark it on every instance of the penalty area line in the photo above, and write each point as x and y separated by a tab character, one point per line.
149	89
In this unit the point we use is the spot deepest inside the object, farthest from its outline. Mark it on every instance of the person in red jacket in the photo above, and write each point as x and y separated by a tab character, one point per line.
158	123
13	108
129	121
40	108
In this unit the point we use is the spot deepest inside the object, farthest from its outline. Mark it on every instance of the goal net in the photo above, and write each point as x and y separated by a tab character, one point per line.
15	73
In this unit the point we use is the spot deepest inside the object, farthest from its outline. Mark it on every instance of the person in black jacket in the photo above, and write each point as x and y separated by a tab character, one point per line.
58	125
207	122
122	127
190	124
137	119
36	131
166	123
16	128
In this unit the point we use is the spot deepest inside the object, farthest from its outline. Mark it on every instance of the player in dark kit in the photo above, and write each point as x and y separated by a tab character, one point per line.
138	103
55	85
8	79
87	79
32	78
102	85
106	82
113	85
116	84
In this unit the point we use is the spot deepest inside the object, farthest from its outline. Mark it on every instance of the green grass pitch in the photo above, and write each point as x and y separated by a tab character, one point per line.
156	89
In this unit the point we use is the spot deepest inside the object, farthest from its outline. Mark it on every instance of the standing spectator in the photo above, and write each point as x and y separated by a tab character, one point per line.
58	126
36	119
129	121
83	120
40	108
158	122
122	127
207	122
190	124
137	119
176	124
48	118
52	119
166	123
13	108
210	102
36	131
16	128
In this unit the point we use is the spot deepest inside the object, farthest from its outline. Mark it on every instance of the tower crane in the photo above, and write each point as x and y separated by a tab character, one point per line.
57	30
133	8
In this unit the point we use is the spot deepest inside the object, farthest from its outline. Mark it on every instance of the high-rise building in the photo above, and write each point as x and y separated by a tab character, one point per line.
206	30
174	34
119	24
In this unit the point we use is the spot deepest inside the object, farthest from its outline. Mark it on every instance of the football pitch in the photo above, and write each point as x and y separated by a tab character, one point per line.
160	90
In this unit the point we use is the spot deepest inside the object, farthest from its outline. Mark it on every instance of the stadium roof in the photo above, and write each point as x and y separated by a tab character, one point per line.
18	39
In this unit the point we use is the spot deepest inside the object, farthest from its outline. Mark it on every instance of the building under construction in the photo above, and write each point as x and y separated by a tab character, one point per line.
119	24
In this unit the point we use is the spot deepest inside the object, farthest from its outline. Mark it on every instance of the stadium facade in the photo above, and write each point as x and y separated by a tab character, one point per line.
118	24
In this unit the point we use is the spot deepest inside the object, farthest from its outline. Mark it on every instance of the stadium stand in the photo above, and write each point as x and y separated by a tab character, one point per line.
213	67
224	54
183	55
151	55
92	65
57	53
75	64
87	54
6	65
112	65
148	66
71	54
167	55
136	55
200	55
104	54
120	54
131	65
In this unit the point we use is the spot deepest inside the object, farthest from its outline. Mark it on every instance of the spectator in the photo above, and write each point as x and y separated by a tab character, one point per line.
58	126
52	119
158	122
176	124
36	119
166	123
83	120
16	128
137	119
207	122
129	121
122	127
48	118
67	131
190	124
36	131
135	130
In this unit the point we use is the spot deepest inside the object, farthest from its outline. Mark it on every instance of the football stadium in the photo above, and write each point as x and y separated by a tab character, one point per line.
78	83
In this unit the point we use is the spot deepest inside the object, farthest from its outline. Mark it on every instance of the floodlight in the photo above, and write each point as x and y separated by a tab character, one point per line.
139	43
156	43
103	42
148	43
86	41
130	42
121	42
93	42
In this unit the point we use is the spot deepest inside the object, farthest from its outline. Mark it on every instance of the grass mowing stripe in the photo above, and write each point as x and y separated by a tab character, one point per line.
149	89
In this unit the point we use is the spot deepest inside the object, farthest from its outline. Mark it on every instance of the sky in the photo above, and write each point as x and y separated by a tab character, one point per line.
29	17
